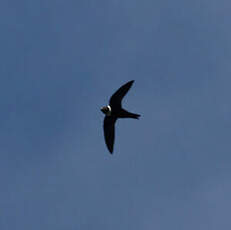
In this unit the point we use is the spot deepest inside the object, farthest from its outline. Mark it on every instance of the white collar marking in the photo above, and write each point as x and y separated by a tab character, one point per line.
109	112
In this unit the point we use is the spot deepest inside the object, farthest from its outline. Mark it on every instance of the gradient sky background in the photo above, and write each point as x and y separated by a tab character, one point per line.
59	63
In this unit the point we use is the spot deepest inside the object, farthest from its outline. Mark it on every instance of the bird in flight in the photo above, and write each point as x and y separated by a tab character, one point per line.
113	111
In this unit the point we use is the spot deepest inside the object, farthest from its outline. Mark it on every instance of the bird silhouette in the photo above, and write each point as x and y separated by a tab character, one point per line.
113	111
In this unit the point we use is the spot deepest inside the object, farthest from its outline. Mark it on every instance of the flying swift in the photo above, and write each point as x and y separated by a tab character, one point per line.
114	111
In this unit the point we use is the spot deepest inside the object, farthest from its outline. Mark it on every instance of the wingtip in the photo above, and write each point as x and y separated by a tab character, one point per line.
130	82
111	151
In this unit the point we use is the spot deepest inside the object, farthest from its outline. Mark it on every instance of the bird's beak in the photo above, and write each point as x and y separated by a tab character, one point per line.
102	109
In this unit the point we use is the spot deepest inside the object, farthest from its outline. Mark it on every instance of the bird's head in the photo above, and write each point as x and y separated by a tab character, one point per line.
106	110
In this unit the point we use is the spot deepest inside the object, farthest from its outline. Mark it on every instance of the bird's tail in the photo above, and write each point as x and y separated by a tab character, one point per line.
126	114
134	115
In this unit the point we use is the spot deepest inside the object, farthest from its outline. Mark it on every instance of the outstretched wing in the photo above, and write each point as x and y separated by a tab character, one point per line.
116	98
109	131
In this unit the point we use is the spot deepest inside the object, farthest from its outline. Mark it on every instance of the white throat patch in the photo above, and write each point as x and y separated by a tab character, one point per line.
109	111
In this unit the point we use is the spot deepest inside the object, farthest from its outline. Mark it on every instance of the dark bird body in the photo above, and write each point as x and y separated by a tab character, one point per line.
114	111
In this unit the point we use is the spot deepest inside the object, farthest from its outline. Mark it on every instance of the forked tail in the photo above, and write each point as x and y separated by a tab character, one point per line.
126	114
134	115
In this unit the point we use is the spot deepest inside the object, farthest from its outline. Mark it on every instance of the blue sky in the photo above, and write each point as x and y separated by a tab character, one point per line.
61	61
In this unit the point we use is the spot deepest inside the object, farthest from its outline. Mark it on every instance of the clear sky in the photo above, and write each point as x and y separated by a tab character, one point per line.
60	61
